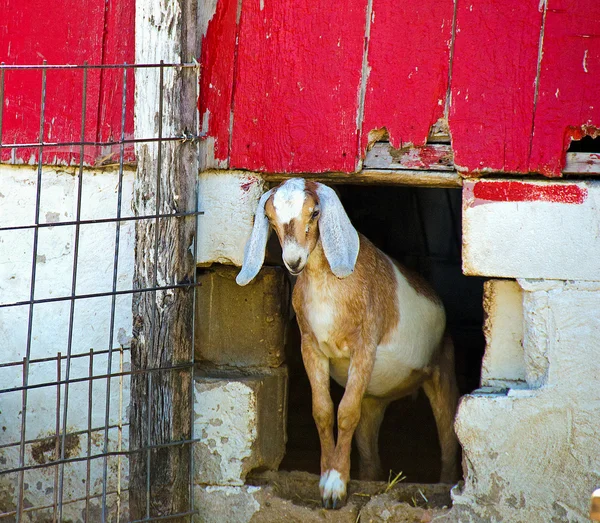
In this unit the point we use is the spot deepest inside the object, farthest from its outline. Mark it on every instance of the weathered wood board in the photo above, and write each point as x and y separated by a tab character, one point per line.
568	104
493	84
297	83
407	64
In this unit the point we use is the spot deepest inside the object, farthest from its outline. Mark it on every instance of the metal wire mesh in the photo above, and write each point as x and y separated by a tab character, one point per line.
67	239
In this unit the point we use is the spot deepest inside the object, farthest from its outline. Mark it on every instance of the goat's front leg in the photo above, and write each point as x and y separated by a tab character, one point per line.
334	482
317	368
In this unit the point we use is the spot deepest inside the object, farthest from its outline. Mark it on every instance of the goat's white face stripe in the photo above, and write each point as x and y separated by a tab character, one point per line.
289	200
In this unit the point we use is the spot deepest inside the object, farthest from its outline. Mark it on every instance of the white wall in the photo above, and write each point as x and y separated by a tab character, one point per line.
50	326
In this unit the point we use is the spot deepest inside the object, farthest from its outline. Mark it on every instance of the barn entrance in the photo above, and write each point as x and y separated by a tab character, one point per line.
420	227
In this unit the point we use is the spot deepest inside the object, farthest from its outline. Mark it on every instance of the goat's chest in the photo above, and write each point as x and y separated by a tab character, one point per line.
323	314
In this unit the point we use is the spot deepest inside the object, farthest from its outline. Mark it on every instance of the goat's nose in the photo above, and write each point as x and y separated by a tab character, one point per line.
293	265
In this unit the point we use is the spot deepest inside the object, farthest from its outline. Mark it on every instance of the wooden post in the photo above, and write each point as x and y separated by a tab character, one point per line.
163	320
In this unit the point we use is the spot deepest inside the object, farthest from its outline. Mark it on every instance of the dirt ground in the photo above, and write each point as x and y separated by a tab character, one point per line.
293	497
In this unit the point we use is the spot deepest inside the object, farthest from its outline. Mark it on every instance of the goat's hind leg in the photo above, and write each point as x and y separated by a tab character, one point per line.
367	437
442	392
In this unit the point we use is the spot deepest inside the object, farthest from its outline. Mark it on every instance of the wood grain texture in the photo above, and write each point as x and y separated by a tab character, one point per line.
493	84
568	104
160	410
297	86
436	157
408	61
411	178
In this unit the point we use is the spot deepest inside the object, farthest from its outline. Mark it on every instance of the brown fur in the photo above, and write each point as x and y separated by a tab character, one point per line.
418	283
367	306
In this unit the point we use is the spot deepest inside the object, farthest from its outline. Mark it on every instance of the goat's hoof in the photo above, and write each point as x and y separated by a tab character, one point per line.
333	490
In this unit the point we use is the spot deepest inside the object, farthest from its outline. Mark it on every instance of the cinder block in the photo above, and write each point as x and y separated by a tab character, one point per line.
503	363
519	446
228	200
525	229
218	504
241	326
240	420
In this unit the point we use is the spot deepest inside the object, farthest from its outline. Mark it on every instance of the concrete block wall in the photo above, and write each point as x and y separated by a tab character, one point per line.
241	382
530	436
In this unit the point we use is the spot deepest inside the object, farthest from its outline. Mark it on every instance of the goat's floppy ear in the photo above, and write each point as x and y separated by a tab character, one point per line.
254	254
338	236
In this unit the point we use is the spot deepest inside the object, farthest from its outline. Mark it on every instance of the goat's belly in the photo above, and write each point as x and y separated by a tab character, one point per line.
391	377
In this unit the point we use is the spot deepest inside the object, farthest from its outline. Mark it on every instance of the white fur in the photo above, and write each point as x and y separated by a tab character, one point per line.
332	486
417	336
289	199
293	252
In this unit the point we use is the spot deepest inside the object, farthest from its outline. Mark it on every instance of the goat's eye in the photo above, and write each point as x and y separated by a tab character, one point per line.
315	214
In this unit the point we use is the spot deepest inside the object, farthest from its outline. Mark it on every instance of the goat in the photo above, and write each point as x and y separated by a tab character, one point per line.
372	325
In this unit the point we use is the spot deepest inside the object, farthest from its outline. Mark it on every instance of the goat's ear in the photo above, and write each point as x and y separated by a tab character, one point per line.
338	236
254	254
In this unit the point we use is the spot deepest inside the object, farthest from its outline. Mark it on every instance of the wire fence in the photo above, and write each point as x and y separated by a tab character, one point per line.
67	262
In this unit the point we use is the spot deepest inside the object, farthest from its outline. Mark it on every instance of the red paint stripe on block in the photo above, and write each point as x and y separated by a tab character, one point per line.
525	192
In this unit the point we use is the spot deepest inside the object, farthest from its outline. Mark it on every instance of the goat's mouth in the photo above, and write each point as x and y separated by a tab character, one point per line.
295	273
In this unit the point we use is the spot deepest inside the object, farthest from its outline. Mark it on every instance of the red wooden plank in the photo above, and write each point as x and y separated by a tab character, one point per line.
61	32
568	104
493	83
408	59
216	77
119	48
297	85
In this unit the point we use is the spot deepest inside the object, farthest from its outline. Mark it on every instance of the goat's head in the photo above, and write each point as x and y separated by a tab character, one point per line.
301	212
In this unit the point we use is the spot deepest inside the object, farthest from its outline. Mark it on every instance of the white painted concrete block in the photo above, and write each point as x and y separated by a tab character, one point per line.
503	362
228	200
50	327
531	455
525	229
240	420
217	504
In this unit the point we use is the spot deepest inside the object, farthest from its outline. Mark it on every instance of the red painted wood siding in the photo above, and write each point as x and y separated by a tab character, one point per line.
408	60
64	32
293	86
295	74
296	88
493	84
568	104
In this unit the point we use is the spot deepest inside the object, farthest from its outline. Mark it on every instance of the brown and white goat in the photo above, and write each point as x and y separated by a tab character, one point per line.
376	328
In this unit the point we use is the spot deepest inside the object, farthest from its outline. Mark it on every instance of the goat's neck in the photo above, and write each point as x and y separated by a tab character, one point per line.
317	265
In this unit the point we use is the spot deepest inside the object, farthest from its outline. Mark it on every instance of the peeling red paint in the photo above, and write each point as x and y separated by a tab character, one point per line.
408	61
104	35
425	157
295	99
216	76
567	103
493	90
513	191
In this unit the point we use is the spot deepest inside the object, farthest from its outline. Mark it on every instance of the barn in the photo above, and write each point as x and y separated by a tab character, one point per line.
139	382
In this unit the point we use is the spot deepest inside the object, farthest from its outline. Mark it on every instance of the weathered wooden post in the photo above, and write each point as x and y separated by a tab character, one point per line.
165	107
